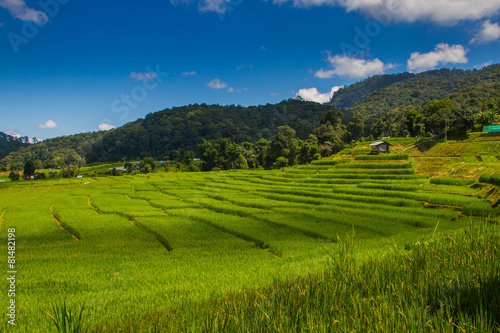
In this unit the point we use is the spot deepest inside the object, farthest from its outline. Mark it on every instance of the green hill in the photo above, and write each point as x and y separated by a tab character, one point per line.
390	105
348	96
9	144
378	95
169	133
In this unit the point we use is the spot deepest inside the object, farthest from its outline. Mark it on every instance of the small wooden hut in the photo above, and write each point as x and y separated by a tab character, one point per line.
380	147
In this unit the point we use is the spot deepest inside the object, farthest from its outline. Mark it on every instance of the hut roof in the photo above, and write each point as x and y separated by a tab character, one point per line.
378	143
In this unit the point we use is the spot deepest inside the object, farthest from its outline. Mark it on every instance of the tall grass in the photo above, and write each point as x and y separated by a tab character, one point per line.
67	319
491	179
324	162
355	171
382	157
448	284
373	166
482	209
452	181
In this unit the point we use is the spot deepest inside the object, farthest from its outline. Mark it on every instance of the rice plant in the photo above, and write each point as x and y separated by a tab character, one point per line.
452	181
491	179
373	166
67	319
382	157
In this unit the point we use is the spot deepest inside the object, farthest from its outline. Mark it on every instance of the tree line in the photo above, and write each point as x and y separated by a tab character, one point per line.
288	133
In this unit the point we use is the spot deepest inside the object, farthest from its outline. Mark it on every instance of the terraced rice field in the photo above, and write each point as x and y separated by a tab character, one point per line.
128	246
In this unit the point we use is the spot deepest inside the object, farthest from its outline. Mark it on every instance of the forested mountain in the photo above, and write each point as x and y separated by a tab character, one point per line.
408	104
169	133
9	143
469	109
381	93
60	151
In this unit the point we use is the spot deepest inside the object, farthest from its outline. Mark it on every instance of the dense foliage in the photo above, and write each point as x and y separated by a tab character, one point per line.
468	109
491	179
169	133
284	150
9	144
430	103
409	90
348	96
57	152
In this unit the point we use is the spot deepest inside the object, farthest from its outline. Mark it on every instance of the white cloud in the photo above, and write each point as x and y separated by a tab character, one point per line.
13	132
217	84
486	64
489	32
189	73
231	90
49	124
19	10
273	94
105	127
443	54
352	67
312	94
148	76
441	11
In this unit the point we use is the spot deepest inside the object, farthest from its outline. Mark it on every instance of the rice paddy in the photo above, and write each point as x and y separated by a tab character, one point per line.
130	247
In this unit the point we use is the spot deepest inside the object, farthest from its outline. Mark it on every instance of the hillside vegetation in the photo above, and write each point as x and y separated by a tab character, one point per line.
9	144
423	105
260	250
169	133
348	96
382	93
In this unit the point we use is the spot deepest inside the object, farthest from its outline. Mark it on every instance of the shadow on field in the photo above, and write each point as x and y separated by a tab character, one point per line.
481	303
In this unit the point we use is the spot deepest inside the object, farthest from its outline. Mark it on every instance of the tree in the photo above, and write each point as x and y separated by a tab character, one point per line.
29	169
241	162
415	122
333	116
14	176
40	176
188	157
356	126
309	149
262	150
148	161
128	166
378	128
281	162
38	164
327	132
284	144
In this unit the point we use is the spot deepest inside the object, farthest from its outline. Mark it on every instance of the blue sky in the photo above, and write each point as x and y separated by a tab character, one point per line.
71	66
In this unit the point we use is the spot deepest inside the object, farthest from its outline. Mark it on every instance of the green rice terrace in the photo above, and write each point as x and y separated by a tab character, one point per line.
352	243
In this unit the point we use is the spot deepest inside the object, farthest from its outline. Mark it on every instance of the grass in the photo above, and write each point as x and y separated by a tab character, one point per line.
373	166
66	319
491	179
249	250
382	157
447	284
452	181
